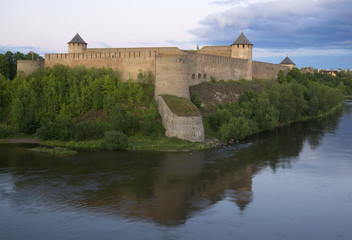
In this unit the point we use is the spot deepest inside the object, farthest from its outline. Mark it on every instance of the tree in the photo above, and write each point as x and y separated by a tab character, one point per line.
11	64
196	99
114	140
32	56
4	66
281	77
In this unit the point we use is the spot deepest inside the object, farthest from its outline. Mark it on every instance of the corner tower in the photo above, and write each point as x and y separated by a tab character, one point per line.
242	48
77	45
288	62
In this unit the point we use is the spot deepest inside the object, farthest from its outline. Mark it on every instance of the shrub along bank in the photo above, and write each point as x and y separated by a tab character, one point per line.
294	97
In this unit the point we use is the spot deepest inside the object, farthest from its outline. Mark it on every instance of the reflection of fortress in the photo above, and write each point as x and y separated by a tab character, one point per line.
173	70
166	188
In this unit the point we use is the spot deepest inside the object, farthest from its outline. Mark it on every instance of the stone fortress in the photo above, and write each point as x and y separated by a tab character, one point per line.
173	70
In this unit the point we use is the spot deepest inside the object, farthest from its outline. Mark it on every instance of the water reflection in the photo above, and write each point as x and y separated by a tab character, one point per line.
165	188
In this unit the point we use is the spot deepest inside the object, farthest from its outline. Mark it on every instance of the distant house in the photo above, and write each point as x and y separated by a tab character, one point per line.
330	72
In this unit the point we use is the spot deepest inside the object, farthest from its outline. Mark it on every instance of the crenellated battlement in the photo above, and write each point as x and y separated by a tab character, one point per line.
100	55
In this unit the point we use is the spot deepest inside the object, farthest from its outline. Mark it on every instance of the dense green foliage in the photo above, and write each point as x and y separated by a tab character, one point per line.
8	62
195	99
292	98
65	103
114	140
6	131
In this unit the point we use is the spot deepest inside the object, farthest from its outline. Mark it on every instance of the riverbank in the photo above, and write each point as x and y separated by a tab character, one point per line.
134	144
20	140
162	144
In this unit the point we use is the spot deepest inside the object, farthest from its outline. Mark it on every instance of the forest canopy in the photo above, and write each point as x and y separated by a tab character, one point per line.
78	103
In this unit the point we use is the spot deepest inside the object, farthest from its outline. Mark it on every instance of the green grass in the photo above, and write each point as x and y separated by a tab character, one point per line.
181	106
140	143
89	144
162	144
54	151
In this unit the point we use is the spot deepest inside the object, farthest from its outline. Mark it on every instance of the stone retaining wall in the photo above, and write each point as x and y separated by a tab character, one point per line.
186	128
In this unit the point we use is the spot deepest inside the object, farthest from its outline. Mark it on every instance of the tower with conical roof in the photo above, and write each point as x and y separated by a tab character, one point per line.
288	62
242	48
77	45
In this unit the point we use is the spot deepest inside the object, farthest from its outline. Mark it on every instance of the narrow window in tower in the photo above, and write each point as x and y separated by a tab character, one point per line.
193	76
199	76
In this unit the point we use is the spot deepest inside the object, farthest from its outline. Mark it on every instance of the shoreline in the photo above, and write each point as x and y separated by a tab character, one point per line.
20	140
160	144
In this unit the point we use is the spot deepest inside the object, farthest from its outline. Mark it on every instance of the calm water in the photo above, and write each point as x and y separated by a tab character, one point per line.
295	183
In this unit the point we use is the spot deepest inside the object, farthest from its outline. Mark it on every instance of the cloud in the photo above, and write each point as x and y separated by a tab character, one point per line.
279	23
344	42
299	52
307	57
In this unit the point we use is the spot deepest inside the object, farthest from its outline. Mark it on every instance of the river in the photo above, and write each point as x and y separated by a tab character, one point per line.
292	183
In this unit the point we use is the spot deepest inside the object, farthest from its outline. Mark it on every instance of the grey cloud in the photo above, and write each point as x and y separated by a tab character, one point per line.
281	23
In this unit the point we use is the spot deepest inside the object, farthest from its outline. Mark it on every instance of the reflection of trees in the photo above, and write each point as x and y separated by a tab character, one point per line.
316	129
162	187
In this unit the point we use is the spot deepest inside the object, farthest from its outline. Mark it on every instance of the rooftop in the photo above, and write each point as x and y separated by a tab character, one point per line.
77	39
287	60
242	40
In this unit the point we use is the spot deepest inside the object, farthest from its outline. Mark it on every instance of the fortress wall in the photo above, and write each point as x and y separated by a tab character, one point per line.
224	51
168	50
262	70
202	67
171	75
127	63
29	66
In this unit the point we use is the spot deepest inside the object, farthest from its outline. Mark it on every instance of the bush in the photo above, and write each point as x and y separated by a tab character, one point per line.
124	122
195	99
218	118
151	127
88	130
114	140
61	129
6	131
47	130
237	129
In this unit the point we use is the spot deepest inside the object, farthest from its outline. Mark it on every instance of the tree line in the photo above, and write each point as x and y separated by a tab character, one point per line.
291	98
8	62
79	103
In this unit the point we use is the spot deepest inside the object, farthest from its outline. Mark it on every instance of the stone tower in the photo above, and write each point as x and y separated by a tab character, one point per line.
242	48
77	45
288	62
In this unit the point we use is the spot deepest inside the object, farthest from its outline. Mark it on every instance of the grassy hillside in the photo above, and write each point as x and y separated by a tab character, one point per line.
181	106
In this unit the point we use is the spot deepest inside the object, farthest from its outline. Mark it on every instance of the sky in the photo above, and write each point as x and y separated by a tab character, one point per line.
313	33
